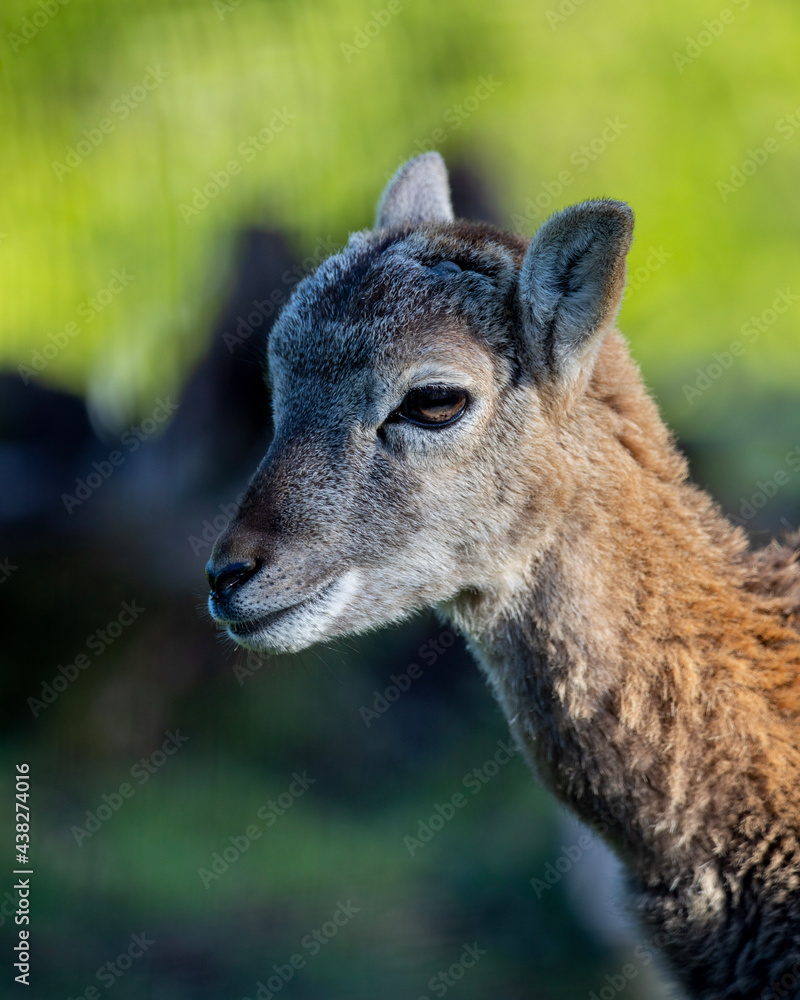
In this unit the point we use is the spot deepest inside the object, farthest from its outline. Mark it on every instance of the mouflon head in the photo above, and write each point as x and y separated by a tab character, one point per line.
421	379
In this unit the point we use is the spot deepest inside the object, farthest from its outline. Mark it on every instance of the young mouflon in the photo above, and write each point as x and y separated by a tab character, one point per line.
458	425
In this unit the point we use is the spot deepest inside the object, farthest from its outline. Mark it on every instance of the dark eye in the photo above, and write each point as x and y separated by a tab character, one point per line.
433	405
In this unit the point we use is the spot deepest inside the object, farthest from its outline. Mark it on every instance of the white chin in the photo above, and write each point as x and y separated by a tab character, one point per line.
305	624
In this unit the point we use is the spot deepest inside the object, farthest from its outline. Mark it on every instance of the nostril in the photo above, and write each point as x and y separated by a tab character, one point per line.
230	576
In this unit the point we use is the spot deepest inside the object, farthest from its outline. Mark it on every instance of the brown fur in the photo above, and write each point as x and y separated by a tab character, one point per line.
647	660
662	700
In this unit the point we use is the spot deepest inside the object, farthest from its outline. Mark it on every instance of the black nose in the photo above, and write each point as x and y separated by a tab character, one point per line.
230	576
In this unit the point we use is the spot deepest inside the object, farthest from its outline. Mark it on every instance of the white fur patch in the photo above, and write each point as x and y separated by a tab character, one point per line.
309	622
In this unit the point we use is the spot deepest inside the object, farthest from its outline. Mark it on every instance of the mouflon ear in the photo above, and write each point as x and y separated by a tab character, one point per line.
418	193
571	283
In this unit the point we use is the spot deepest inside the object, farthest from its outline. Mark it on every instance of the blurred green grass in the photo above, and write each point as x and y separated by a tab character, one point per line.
354	118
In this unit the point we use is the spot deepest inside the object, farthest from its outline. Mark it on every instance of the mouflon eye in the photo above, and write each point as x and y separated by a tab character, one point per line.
433	405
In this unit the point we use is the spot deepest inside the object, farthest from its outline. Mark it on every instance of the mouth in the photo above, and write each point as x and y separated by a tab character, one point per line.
246	628
250	626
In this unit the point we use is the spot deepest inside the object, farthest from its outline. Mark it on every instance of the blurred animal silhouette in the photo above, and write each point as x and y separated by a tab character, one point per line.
458	425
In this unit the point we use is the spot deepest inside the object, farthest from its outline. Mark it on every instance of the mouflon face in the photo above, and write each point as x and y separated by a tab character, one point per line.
417	380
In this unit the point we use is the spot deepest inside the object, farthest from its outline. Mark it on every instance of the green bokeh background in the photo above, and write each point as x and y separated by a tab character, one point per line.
356	115
695	97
